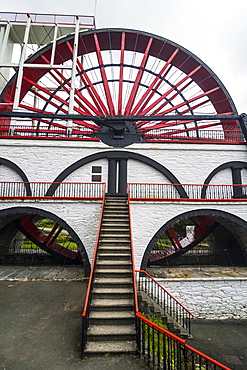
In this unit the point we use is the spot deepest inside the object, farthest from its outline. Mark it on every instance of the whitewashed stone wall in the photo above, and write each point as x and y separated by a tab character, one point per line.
210	298
43	160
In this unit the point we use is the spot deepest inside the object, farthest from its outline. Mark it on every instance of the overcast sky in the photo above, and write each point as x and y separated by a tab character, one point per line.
214	30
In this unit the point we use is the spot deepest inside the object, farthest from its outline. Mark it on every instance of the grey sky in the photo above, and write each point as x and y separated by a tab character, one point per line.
214	30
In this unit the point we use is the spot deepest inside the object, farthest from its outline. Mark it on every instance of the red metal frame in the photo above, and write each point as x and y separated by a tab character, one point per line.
96	97
156	282
90	281
157	199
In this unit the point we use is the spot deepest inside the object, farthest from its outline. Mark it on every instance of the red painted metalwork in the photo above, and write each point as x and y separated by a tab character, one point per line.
166	292
203	226
166	79
45	242
182	342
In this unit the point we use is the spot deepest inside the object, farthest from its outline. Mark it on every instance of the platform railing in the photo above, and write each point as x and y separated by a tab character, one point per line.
42	132
189	192
170	305
28	128
224	136
64	19
62	190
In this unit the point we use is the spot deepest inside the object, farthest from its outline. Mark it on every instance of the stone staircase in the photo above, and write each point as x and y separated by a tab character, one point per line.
112	319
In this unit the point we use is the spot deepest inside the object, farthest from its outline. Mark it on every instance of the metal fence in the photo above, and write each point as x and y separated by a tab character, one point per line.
195	135
49	190
148	285
165	351
187	191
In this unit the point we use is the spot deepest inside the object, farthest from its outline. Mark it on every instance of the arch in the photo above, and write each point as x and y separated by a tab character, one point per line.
232	164
212	213
17	169
116	154
14	212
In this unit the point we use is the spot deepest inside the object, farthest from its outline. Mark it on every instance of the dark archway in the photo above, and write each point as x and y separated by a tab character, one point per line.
10	214
226	219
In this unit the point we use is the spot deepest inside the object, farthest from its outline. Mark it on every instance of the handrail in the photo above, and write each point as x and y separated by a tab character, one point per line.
90	281
160	286
170	349
132	259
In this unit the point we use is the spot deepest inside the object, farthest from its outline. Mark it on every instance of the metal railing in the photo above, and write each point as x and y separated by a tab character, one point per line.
88	298
25	128
141	191
43	190
165	351
169	304
65	19
224	136
42	132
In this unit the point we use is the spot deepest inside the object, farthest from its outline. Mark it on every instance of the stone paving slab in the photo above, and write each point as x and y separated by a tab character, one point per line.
19	273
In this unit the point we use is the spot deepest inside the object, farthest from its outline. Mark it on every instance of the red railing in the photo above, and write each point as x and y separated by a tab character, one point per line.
133	261
211	136
187	192
170	305
86	309
52	190
164	350
27	129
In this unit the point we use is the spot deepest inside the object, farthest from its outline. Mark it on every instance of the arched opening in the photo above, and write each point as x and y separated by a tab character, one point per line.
33	236
201	237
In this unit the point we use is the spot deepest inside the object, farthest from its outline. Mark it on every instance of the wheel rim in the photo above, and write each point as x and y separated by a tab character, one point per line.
123	73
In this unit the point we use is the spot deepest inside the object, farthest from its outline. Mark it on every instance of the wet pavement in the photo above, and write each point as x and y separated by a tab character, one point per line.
40	322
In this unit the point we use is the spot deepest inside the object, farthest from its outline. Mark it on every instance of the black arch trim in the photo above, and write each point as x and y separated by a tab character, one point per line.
17	169
116	154
236	164
21	211
183	216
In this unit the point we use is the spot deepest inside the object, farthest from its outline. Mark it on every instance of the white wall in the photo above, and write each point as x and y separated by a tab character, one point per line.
210	298
44	160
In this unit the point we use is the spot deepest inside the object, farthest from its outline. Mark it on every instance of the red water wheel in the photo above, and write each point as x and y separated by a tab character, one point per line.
120	74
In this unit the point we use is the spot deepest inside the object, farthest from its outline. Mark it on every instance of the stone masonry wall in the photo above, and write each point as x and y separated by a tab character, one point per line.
210	298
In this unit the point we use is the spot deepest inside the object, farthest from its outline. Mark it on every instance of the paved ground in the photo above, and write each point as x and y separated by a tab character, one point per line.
41	326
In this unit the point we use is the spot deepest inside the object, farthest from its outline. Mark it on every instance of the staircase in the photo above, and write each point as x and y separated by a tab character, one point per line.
112	319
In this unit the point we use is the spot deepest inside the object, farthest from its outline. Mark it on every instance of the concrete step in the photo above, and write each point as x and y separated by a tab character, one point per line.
102	263
121	226
102	255
114	231
113	273
112	293
113	282
105	305
113	240
118	237
111	347
112	318
111	248
111	332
